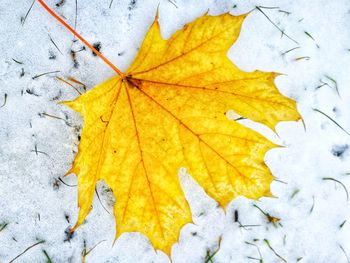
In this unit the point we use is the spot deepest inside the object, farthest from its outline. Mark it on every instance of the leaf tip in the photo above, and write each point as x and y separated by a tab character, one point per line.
70	171
157	13
68	103
243	16
73	104
269	194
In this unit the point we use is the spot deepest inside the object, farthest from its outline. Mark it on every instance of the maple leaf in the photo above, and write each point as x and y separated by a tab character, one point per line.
169	111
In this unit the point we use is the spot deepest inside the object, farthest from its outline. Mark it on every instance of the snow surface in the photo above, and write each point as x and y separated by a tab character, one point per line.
36	149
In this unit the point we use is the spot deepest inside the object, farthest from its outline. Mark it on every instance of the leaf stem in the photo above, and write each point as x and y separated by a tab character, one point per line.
52	13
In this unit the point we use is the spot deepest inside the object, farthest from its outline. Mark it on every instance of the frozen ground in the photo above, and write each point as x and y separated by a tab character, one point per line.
36	149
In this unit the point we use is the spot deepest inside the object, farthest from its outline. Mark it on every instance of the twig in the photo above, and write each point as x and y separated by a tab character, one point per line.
274	24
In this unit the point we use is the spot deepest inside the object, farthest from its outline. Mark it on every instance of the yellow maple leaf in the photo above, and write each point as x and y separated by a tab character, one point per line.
169	111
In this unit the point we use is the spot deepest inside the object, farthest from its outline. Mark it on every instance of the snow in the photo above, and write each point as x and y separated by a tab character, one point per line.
36	149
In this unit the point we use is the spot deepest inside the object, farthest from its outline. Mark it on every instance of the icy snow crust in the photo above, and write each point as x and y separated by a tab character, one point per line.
36	148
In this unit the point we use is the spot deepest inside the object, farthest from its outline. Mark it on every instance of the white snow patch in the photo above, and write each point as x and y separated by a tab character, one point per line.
36	149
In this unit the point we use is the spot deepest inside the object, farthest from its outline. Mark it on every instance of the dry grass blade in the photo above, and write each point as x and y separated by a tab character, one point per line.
61	79
99	199
28	248
25	17
3	226
46	73
86	252
53	42
48	259
209	256
337	181
259	259
274	24
69	185
346	255
271	248
336	123
5	100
